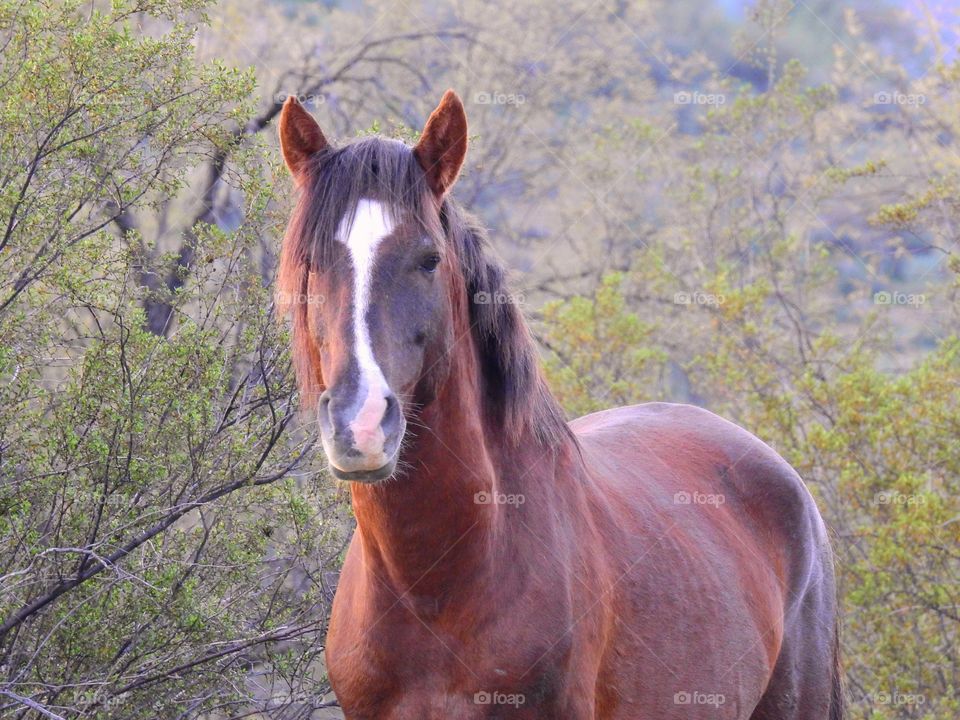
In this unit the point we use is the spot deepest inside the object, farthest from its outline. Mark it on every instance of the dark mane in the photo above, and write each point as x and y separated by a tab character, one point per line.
387	170
511	364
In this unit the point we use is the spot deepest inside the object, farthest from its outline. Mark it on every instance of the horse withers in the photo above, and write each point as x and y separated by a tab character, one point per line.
652	561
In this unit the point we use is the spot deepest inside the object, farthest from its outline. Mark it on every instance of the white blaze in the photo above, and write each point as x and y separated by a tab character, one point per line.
370	226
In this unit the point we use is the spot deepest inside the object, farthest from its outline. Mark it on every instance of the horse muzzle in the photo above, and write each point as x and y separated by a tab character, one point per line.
361	438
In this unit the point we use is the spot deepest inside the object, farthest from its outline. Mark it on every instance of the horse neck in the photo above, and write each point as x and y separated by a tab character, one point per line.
429	529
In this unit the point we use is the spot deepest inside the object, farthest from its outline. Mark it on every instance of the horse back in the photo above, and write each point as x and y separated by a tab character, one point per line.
665	464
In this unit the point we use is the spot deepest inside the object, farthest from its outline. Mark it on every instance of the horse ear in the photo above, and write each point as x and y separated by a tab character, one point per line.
300	137
443	144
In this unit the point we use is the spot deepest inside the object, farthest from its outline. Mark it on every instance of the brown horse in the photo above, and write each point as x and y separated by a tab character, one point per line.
653	561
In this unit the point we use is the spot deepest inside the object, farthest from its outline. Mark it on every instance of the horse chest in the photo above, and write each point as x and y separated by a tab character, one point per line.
410	665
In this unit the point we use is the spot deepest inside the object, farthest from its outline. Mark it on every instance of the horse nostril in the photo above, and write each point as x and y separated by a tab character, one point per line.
324	413
391	417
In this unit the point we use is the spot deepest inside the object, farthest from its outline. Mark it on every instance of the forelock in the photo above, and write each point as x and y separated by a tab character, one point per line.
372	168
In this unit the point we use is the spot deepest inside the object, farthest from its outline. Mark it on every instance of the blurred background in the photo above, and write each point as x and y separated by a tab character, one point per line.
749	206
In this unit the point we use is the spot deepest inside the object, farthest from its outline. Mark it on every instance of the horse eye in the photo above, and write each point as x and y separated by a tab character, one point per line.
429	263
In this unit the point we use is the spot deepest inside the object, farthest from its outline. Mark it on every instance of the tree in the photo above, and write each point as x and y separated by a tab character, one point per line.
158	552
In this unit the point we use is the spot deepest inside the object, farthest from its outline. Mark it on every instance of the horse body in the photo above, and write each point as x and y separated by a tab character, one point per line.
653	561
654	571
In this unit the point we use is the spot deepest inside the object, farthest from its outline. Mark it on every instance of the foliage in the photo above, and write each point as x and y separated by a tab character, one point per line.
159	555
600	354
